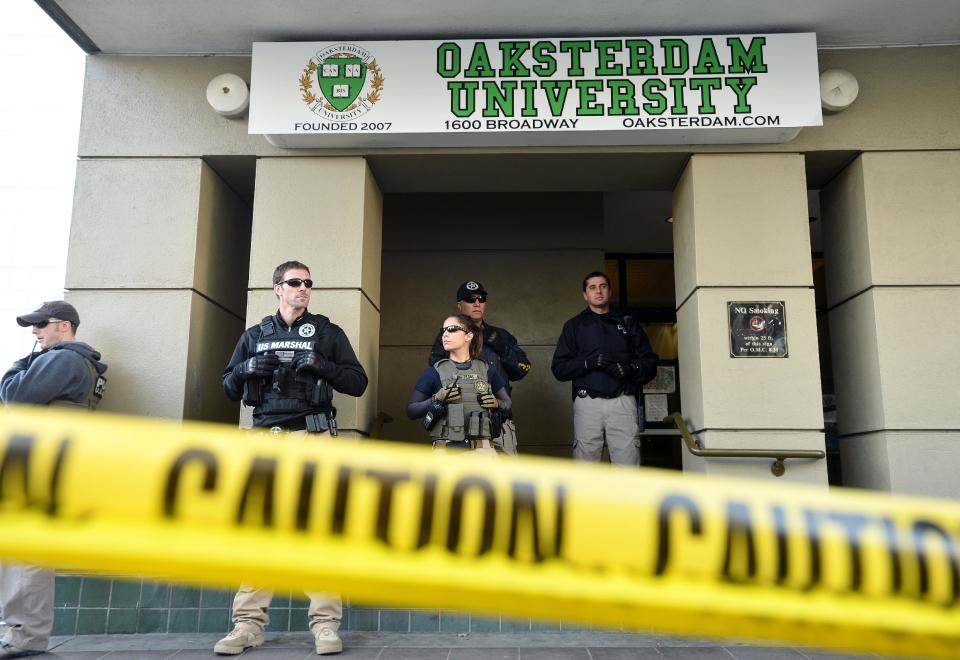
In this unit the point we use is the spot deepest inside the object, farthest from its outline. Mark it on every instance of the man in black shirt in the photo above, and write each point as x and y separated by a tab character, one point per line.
287	367
608	358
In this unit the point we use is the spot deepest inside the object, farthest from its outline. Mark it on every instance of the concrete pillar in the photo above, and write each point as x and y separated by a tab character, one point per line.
156	267
741	234
891	230
326	213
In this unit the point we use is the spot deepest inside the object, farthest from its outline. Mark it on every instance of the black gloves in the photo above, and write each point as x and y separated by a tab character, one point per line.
613	366
497	342
315	364
622	370
618	370
259	366
263	366
598	361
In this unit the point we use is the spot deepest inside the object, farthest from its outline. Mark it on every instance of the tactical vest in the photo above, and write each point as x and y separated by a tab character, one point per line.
97	387
285	391
464	419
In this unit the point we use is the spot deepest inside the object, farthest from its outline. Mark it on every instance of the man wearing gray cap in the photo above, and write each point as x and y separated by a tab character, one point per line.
65	372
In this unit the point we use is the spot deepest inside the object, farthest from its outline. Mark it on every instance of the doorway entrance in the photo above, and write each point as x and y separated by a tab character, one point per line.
530	251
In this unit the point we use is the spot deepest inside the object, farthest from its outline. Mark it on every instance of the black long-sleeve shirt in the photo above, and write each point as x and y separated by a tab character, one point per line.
619	337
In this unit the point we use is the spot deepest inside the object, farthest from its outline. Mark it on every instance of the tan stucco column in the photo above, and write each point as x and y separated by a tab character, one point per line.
741	234
156	267
326	213
891	231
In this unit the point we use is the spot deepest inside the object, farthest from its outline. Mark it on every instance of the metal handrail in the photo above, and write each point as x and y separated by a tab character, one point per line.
778	467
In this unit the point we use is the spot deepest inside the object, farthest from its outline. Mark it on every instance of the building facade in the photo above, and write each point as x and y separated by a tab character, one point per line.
181	214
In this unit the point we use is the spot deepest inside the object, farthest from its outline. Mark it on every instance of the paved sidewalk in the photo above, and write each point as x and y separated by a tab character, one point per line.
430	646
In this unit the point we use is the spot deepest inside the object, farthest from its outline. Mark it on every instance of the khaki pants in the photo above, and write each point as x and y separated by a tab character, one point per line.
251	603
508	437
26	595
613	420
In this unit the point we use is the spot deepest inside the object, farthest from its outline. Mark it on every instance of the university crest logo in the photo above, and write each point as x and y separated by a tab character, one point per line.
342	81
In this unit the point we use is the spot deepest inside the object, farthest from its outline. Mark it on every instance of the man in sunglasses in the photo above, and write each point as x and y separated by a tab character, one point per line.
287	368
500	350
65	372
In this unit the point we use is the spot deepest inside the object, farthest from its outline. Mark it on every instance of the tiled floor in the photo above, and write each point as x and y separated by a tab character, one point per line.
430	646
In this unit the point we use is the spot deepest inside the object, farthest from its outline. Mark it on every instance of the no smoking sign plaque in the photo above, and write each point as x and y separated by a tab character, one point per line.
757	329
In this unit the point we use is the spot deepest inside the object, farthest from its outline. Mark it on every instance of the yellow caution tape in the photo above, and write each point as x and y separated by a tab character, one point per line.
402	525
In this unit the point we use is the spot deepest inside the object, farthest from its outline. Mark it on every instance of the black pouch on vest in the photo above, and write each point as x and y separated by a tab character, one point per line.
251	392
317	423
496	424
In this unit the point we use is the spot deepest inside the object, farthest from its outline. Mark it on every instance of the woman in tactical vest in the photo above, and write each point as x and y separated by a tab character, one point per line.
460	398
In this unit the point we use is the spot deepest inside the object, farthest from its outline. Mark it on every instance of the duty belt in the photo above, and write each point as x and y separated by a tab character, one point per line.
469	443
583	394
315	423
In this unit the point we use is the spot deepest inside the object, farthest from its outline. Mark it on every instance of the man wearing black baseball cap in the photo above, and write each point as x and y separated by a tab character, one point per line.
500	349
65	372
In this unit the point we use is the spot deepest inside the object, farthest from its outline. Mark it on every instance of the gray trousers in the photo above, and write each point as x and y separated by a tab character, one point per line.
251	603
611	420
26	595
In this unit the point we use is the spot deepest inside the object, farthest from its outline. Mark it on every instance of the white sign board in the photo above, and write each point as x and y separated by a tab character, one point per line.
550	91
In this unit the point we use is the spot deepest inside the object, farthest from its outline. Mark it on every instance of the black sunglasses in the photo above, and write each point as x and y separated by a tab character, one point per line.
295	282
45	323
454	328
473	299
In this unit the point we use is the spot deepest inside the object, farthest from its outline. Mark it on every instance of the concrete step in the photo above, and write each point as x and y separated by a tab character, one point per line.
433	646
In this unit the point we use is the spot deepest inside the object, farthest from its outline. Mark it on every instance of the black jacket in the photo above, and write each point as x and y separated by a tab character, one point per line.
329	340
618	337
510	361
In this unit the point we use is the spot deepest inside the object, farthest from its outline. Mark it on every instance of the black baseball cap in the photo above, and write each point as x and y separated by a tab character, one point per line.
54	309
469	289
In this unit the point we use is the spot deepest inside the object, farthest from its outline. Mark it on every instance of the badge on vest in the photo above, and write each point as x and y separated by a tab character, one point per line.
100	387
307	330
